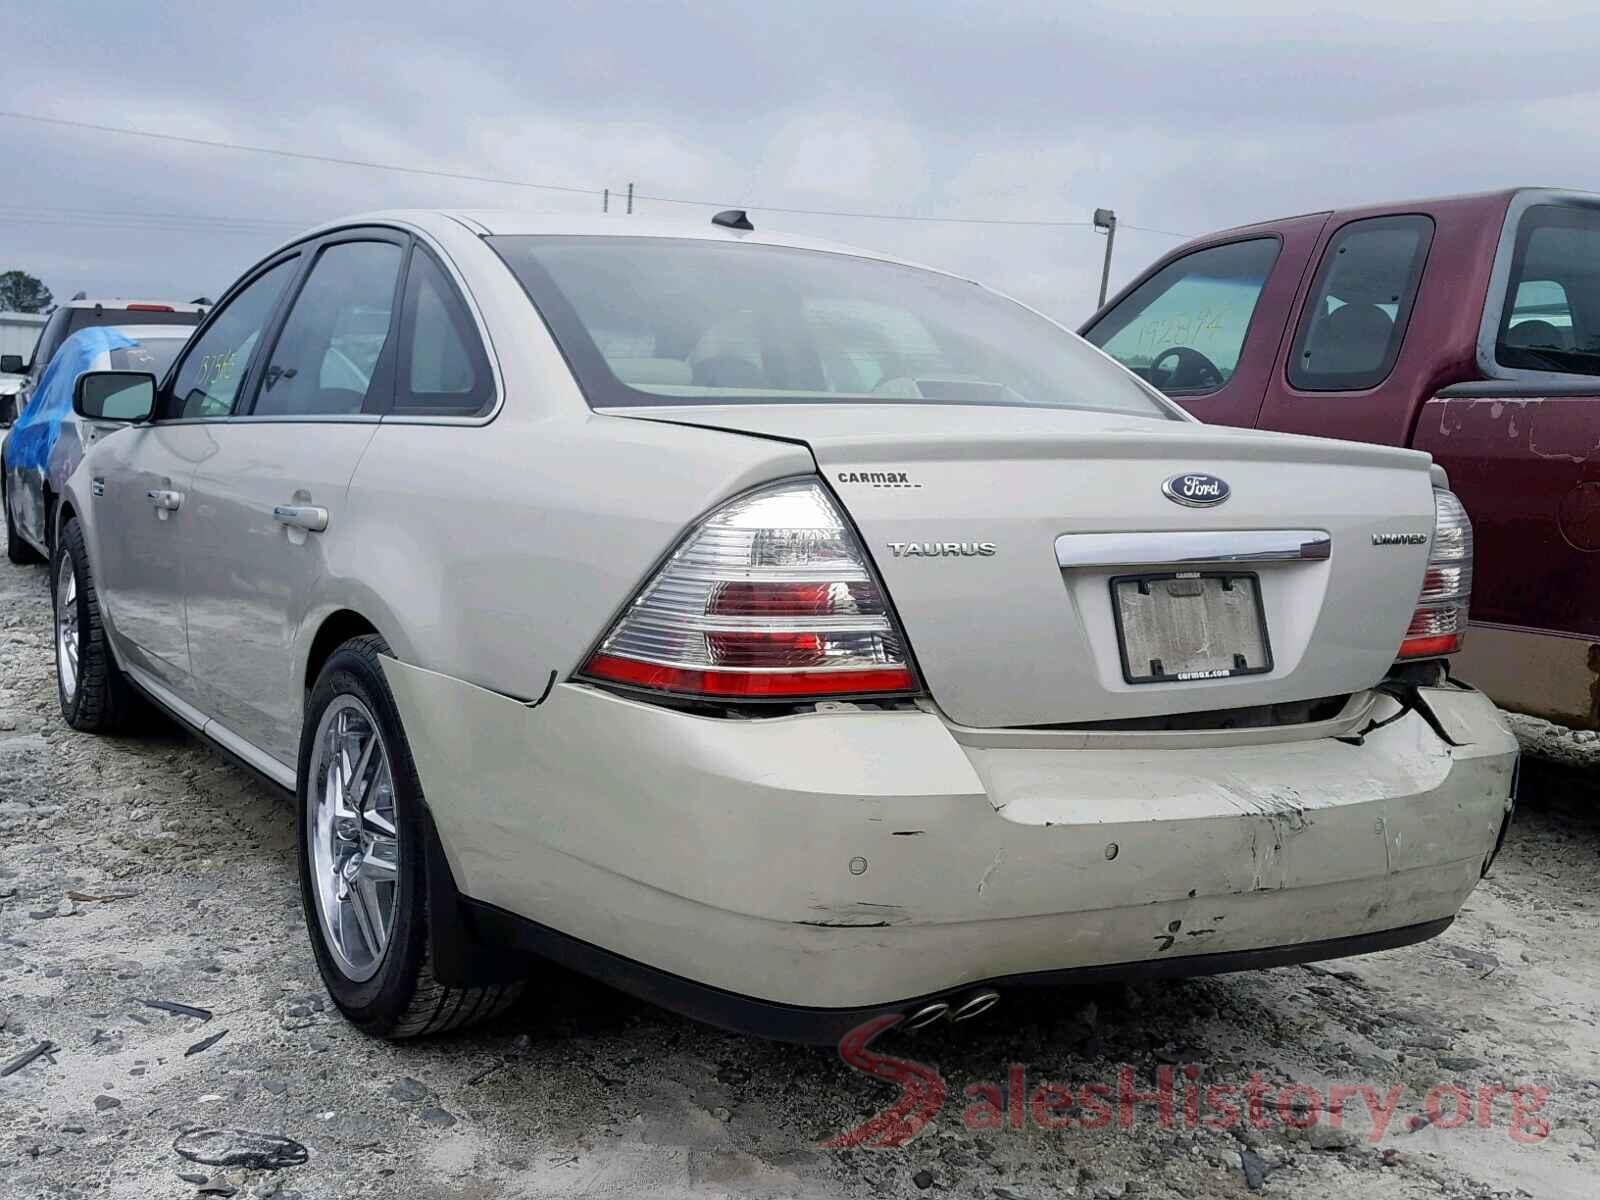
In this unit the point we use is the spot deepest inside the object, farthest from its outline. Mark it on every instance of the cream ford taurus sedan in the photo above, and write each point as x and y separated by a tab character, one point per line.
787	634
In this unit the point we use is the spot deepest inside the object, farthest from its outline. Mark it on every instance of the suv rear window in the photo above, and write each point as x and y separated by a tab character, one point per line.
154	355
691	321
1550	320
82	318
65	322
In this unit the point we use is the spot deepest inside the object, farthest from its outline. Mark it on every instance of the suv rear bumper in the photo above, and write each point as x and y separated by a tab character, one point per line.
847	861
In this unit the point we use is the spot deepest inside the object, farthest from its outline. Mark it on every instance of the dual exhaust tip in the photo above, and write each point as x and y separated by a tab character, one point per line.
961	1010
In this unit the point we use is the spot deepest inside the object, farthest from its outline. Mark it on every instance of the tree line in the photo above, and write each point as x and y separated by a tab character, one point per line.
24	293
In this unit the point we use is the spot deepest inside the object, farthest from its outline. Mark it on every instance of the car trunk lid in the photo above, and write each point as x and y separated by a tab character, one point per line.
1006	537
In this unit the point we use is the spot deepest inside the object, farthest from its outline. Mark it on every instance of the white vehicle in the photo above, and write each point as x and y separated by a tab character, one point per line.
43	448
73	316
791	635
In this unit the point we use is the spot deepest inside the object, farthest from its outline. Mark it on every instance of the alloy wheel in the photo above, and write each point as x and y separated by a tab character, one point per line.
67	627
354	839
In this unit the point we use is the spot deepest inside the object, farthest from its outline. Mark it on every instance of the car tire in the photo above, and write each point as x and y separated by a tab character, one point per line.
17	550
95	695
363	870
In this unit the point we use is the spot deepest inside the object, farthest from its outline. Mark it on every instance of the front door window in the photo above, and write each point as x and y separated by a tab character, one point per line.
1184	327
214	369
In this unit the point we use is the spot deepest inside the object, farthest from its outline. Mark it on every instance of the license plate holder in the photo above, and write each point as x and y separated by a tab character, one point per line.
1185	626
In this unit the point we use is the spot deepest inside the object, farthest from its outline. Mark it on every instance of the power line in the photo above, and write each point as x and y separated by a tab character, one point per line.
279	222
132	227
133	222
322	158
115	219
552	187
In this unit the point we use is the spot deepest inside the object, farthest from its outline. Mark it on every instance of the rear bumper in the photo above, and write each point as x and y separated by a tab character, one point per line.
846	862
828	1026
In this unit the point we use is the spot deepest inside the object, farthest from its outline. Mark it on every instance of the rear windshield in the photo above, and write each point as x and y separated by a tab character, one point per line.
675	321
1551	317
151	354
82	318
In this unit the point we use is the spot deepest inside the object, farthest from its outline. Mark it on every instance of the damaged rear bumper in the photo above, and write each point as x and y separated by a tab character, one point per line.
790	874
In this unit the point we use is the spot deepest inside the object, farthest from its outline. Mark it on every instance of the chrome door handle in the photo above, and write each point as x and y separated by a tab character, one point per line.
164	499
301	516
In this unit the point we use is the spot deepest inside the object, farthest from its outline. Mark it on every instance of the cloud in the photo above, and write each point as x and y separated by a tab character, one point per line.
1180	118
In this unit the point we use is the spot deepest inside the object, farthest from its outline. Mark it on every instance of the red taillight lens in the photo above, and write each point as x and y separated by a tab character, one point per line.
769	597
151	308
1440	623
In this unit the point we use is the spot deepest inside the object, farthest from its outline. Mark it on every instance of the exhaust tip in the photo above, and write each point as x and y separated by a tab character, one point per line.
974	1005
927	1015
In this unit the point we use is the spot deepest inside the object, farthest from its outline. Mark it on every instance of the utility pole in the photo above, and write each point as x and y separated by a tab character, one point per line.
1105	219
605	201
630	199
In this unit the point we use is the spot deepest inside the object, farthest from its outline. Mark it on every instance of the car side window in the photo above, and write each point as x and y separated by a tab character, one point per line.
443	367
207	384
1360	304
1551	316
1184	327
328	357
50	339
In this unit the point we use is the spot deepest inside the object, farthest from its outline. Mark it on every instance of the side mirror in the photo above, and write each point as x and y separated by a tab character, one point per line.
115	395
12	364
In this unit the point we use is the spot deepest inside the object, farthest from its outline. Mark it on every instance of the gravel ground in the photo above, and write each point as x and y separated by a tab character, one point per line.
150	869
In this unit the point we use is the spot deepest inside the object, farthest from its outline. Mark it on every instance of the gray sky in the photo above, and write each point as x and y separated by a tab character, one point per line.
1183	117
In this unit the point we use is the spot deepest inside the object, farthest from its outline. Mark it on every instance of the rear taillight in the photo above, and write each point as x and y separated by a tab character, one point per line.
151	308
1440	623
769	597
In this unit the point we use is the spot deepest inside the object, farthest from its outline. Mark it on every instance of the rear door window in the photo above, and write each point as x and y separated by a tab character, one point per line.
1183	328
329	359
1551	317
1360	304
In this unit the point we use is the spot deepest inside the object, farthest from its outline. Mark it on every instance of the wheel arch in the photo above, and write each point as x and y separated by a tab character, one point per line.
336	628
458	955
56	520
47	527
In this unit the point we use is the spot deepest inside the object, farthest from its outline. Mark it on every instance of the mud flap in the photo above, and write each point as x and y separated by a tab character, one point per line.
460	957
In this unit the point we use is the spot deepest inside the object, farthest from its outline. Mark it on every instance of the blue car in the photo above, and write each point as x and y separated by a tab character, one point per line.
48	439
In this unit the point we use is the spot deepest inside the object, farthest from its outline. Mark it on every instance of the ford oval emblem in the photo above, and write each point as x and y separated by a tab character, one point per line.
1196	490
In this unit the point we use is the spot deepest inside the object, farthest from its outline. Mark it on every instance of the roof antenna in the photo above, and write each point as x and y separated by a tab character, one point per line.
732	218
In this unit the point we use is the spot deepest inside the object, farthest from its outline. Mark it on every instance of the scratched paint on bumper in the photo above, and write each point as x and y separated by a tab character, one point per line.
722	850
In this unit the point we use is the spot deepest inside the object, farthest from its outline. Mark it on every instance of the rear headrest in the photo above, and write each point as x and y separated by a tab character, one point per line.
1350	339
1532	334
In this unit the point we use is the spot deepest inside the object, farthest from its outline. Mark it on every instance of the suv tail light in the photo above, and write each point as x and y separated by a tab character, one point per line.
1440	623
769	597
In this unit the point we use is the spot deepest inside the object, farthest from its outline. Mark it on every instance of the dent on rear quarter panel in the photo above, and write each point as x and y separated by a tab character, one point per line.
505	550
